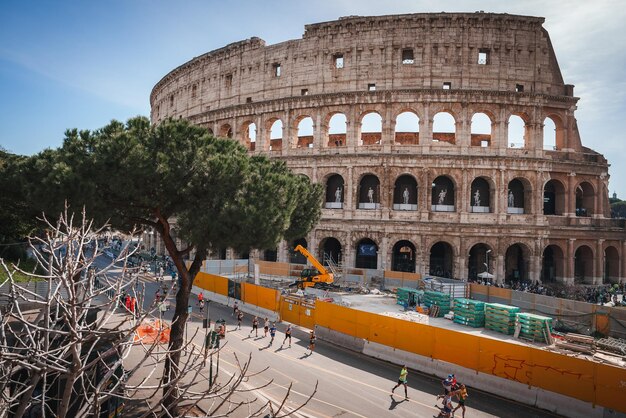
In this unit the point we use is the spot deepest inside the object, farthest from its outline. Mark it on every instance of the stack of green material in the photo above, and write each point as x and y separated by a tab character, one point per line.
469	312
500	318
437	298
402	296
533	327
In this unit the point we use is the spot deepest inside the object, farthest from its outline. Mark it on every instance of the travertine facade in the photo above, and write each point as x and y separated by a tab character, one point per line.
423	199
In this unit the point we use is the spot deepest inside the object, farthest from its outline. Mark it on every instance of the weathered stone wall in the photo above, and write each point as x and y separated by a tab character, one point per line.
461	64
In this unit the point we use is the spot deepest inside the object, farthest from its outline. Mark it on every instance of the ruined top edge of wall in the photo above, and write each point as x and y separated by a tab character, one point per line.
419	20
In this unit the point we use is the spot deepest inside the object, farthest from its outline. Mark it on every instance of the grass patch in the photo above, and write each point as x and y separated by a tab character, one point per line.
27	264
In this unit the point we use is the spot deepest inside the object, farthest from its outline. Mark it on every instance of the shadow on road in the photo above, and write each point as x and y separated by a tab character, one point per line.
395	403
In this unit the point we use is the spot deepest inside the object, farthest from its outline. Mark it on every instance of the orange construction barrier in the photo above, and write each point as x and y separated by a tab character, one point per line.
152	332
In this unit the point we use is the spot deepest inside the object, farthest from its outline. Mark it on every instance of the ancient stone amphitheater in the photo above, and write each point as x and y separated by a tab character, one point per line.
447	143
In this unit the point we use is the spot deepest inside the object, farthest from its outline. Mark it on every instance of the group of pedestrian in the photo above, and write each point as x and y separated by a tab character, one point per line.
451	388
129	303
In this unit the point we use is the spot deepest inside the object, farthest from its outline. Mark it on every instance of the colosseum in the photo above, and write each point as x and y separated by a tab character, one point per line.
447	143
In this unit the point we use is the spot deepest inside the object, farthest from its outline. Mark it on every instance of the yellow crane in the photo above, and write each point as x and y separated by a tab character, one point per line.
318	276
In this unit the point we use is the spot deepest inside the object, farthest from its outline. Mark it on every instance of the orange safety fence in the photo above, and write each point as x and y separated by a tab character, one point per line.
212	283
152	332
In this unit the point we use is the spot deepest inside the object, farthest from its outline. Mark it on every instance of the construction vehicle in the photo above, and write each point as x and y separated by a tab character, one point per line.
318	276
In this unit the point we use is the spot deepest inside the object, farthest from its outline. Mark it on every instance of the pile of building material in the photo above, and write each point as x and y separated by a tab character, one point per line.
408	316
438	303
469	312
500	318
533	327
577	342
613	345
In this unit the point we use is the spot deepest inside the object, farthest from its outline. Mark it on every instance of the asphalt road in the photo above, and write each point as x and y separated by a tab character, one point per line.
348	384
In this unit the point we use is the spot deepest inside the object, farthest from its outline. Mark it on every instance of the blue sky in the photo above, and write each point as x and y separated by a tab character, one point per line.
79	64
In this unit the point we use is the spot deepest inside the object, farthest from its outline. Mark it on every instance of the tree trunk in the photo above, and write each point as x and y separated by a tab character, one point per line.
177	331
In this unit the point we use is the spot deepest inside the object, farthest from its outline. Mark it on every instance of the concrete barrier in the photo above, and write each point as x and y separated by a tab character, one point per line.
245	307
340	339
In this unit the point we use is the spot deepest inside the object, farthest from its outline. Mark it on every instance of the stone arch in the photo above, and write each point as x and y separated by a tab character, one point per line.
403	256
443	194
366	254
407	128
585	199
444	127
552	264
405	193
519	196
554	198
480	260
517	131
553	132
517	263
337	124
274	132
481	130
441	262
226	131
371	123
305	131
331	251
369	192
584	264
611	265
335	192
295	257
210	130
249	134
271	255
481	192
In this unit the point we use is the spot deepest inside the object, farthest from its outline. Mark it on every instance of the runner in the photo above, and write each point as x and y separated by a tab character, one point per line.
255	326
462	395
311	342
272	333
235	308
287	335
266	327
402	381
201	306
446	410
447	384
239	319
200	298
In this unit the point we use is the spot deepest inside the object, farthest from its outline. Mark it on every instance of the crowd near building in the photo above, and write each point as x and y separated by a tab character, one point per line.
447	144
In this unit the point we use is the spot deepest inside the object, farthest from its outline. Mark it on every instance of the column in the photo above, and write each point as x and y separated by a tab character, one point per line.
317	131
599	262
261	145
353	128
622	270
349	190
286	132
463	129
569	262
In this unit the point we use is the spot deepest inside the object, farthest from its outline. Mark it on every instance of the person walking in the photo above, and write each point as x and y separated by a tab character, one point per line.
311	342
287	335
266	327
255	326
462	395
239	319
402	380
272	333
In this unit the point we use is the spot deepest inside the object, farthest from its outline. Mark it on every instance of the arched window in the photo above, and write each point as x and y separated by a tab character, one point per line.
611	265
549	134
583	265
407	129
442	196
481	130
305	133
553	198
405	193
480	263
517	132
444	128
335	192
331	251
480	196
442	260
516	264
371	129
276	135
337	128
403	256
369	192
366	254
516	196
250	135
552	264
585	199
226	131
270	255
